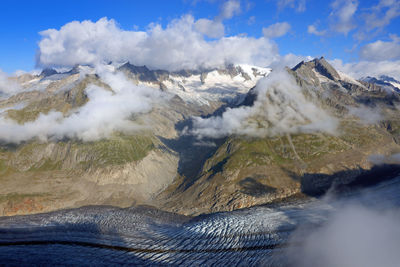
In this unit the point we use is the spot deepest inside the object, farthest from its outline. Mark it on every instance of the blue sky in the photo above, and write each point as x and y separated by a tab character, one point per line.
21	22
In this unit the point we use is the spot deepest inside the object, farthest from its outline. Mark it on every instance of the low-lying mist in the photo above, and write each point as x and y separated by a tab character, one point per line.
362	231
7	86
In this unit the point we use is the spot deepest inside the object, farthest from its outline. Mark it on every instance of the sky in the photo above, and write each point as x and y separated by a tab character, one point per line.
357	36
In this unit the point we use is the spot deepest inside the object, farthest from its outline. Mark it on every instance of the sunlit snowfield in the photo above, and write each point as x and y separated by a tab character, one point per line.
359	229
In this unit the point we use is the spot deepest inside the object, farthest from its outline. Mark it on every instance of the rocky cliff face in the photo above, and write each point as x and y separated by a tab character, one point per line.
246	171
161	162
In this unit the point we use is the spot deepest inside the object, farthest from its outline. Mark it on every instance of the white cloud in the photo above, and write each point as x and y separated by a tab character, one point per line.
276	30
381	15
229	9
211	28
178	46
7	86
105	113
312	29
215	28
342	20
280	108
369	68
380	50
376	18
299	5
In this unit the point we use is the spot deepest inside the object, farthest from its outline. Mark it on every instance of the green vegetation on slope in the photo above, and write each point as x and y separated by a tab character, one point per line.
117	150
241	152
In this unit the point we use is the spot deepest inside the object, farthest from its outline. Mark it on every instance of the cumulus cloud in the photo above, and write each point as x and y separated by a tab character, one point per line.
280	108
369	68
7	86
276	30
381	50
341	16
354	235
312	29
105	113
299	5
178	46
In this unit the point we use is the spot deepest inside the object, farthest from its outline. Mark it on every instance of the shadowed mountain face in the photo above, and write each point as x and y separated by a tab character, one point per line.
130	135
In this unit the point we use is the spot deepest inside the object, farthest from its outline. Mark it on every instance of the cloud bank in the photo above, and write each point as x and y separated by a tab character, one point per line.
105	113
181	45
280	108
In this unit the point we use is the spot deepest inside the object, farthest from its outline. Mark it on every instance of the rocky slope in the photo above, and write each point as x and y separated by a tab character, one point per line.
122	169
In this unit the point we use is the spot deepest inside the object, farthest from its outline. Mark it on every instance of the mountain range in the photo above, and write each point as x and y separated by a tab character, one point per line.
192	141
